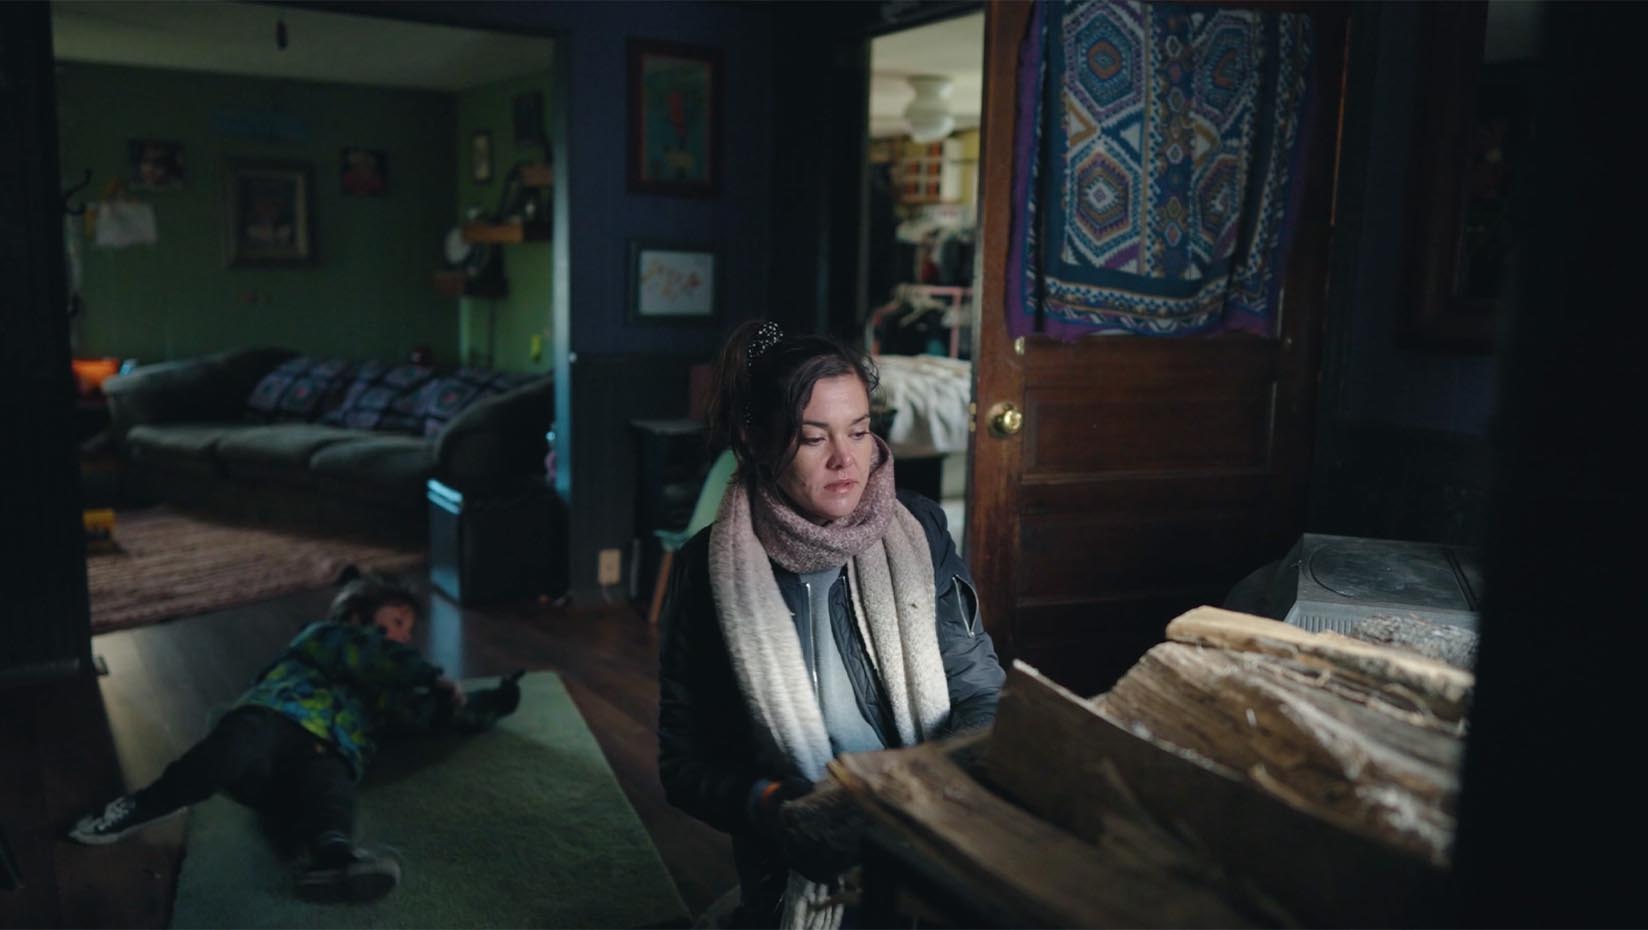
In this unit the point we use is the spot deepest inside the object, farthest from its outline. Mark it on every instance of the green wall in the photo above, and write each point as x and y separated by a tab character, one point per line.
368	294
525	312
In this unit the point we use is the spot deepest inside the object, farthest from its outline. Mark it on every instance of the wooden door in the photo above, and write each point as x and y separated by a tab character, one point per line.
1149	475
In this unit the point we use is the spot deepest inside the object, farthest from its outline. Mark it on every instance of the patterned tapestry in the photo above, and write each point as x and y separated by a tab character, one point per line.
1158	145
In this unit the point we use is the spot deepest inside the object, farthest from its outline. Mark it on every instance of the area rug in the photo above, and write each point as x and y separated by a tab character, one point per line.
164	564
521	826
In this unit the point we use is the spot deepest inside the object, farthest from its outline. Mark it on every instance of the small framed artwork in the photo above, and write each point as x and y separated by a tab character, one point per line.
673	283
480	157
674	118
364	172
269	213
157	165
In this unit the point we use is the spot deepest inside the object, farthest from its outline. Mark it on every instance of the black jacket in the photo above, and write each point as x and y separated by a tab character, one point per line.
708	757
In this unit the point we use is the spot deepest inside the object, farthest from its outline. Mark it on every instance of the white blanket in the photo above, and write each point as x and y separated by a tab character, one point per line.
931	394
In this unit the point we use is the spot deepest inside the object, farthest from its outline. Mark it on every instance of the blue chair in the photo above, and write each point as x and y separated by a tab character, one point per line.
703	514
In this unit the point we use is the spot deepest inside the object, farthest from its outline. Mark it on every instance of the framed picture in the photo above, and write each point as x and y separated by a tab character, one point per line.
480	157
269	215
157	165
672	283
364	172
674	118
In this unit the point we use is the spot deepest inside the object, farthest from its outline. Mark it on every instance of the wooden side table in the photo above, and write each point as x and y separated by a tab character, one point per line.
671	459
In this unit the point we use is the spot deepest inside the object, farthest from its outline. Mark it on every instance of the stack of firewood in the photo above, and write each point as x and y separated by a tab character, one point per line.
1363	736
1244	772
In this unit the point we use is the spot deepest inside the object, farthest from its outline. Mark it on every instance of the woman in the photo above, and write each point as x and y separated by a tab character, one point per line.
822	613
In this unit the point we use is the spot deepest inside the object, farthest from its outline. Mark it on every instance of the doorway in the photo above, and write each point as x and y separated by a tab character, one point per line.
402	274
920	234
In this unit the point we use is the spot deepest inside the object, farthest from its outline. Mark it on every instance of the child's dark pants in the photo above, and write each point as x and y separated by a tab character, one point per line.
266	761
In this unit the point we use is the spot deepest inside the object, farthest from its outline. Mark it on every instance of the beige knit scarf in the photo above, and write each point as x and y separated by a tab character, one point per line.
890	582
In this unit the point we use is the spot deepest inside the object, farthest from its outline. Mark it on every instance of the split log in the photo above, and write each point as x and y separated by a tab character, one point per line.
1431	687
1339	759
1034	873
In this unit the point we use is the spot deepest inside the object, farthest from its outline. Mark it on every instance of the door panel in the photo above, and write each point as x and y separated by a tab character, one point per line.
1075	437
1146	492
1068	555
1149	474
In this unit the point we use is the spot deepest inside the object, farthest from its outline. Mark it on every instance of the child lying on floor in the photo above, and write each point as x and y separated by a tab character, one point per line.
295	745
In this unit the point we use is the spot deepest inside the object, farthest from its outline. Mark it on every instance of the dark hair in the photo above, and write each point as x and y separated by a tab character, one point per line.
363	593
756	403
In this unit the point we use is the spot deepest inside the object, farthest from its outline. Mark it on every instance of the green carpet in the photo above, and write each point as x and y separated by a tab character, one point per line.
521	826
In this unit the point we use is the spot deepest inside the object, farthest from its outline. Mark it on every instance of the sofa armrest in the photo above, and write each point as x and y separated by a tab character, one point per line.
244	368
168	392
500	436
210	388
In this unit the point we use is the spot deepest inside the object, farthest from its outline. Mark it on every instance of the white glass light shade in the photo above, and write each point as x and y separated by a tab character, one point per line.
929	114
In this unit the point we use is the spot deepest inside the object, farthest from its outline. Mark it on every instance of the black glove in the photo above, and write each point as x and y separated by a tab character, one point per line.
764	815
817	831
484	708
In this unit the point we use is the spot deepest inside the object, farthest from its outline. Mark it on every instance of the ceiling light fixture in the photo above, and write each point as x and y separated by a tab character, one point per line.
929	114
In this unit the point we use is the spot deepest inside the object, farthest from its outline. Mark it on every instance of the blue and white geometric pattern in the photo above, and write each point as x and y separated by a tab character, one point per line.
1164	170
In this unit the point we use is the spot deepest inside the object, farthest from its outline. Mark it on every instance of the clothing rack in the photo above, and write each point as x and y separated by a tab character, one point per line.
956	301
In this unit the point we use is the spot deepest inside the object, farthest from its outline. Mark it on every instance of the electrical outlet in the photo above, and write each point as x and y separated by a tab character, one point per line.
608	567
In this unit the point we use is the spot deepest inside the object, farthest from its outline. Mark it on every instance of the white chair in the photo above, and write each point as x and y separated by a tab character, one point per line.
703	514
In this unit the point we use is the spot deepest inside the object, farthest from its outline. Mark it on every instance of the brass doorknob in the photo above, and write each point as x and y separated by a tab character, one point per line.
1006	420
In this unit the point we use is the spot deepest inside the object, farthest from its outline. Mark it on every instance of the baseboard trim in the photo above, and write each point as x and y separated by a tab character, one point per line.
47	671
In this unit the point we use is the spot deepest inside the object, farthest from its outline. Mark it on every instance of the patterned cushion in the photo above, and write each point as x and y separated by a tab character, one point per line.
451	394
382	397
266	395
300	388
372	395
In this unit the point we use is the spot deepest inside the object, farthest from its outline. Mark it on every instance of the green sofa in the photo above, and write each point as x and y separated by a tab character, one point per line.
239	435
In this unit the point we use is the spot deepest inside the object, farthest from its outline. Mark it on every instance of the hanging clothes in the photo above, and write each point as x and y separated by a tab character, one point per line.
916	326
1156	169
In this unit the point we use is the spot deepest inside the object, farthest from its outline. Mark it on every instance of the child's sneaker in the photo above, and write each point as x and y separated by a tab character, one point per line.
117	818
363	875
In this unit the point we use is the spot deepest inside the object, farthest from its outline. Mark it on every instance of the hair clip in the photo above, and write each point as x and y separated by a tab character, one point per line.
767	336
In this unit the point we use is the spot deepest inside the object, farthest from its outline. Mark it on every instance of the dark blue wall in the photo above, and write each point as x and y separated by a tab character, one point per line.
1402	449
1383	381
595	402
604	215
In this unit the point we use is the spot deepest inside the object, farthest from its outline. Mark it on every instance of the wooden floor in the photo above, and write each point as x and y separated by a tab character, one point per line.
68	746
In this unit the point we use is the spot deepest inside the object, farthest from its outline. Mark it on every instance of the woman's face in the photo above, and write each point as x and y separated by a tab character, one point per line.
834	452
